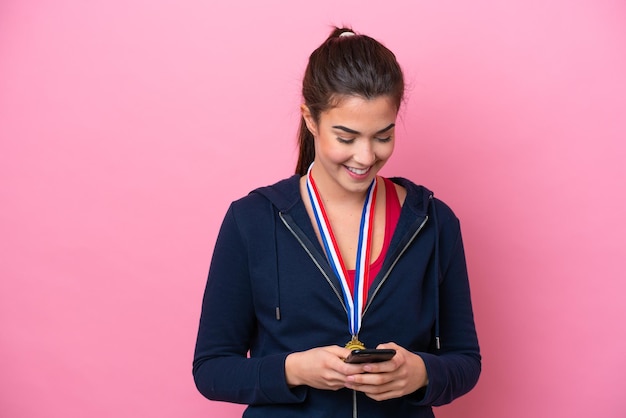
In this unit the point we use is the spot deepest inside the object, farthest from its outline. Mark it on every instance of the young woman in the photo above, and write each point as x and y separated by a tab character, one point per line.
337	258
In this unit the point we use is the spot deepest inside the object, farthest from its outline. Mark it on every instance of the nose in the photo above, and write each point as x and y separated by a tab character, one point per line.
364	153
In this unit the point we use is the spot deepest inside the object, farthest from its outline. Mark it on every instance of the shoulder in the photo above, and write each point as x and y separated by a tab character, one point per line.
422	200
280	195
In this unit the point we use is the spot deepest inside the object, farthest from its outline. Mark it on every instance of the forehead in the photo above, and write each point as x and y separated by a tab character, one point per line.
360	113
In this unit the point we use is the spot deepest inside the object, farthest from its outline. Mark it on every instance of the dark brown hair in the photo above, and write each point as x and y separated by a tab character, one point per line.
355	65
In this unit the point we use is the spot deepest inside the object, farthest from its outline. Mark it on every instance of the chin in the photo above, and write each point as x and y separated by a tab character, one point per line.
357	186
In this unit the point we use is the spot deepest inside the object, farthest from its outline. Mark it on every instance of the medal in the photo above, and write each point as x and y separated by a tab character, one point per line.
355	344
353	300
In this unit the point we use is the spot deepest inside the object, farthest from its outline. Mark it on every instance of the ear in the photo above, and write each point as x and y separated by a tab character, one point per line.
308	119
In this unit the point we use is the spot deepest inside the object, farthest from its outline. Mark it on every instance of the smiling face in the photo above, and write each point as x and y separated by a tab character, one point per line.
353	141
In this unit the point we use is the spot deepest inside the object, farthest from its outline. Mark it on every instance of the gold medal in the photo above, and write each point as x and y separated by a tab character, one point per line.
355	344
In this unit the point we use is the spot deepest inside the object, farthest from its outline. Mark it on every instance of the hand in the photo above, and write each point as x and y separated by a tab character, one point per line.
320	368
403	374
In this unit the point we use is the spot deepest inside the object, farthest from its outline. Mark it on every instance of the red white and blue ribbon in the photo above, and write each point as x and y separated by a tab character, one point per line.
354	301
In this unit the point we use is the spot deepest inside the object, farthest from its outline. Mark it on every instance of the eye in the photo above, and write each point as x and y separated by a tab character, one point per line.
345	140
387	139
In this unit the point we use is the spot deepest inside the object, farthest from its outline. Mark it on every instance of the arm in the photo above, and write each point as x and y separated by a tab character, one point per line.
228	325
221	368
453	370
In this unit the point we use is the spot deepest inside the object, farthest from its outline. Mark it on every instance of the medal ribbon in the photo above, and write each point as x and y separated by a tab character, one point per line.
354	301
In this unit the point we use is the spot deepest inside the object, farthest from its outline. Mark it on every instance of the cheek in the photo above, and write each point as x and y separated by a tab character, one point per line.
331	150
385	151
335	156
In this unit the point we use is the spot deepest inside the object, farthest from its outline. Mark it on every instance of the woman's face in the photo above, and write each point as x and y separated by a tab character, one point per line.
353	141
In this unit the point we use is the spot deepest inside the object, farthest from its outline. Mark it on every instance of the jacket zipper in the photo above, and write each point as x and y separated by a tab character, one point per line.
308	251
388	272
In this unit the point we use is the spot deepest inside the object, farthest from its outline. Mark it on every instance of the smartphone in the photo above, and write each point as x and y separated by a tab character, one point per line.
372	355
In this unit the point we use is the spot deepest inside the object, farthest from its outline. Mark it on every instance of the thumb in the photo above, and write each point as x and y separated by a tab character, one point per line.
388	345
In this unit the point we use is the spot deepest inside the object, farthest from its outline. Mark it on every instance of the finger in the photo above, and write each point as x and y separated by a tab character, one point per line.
348	369
377	383
340	352
398	358
376	391
388	366
388	345
370	379
383	396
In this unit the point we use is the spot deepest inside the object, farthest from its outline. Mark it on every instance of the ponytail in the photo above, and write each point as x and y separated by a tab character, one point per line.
307	148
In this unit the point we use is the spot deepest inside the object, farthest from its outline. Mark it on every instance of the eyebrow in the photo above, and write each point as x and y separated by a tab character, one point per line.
352	131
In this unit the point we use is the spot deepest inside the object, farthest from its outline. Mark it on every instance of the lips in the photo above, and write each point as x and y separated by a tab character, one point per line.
358	171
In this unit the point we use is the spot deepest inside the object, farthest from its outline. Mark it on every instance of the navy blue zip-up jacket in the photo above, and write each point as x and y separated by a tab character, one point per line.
271	292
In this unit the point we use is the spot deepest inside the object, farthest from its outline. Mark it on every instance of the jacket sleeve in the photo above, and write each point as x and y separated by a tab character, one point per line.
221	368
454	369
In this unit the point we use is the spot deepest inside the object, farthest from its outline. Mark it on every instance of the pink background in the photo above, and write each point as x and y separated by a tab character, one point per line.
127	127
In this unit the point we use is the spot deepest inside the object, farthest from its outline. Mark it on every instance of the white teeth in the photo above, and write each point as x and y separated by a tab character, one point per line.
357	171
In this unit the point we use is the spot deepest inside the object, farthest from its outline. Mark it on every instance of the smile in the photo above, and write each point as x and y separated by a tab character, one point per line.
358	171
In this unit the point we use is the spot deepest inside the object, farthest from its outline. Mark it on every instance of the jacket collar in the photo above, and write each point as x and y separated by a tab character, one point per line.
285	194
